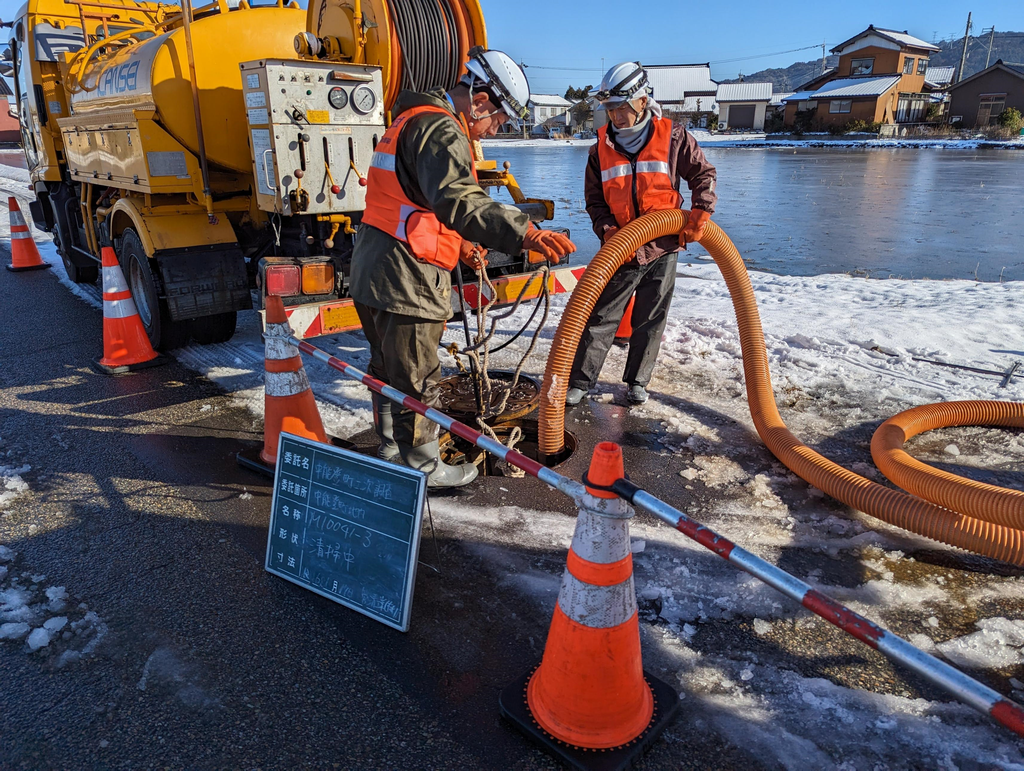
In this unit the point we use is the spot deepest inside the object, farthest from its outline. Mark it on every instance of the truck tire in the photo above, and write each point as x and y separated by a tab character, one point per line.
217	328
140	272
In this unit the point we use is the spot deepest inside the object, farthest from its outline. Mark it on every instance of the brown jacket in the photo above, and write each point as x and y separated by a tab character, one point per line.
686	162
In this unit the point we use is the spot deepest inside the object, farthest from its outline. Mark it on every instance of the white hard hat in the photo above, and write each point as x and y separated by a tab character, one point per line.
622	83
505	79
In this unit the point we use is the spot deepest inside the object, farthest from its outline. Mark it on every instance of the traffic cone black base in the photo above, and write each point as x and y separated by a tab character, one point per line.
515	709
13	269
128	369
250	459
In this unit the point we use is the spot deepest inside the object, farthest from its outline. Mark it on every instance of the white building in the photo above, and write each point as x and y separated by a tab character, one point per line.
743	105
549	110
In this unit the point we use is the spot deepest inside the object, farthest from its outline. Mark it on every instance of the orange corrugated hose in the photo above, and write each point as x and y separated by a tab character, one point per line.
956	511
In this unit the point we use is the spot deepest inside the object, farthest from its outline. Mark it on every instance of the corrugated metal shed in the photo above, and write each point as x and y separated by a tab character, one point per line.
778	98
549	100
744	92
674	82
845	88
939	76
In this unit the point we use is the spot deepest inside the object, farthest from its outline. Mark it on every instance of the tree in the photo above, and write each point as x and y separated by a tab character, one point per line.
573	94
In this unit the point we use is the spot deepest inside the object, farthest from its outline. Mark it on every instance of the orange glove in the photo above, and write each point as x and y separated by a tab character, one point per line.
552	245
609	231
694	230
472	256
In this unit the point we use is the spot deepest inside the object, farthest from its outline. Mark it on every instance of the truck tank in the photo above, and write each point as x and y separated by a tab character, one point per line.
418	44
153	75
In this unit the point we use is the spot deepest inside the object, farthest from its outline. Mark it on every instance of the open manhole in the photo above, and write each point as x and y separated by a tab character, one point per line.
455	450
458	397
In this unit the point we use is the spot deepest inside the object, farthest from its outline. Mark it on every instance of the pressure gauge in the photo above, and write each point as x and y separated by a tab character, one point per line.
364	99
338	97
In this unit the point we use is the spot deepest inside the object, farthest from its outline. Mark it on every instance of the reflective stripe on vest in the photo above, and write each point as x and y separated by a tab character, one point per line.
655	189
389	209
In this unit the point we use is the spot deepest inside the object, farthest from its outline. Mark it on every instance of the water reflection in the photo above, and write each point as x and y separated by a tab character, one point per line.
914	213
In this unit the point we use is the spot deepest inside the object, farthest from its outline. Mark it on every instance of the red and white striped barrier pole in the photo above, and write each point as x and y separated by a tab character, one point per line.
958	684
573	489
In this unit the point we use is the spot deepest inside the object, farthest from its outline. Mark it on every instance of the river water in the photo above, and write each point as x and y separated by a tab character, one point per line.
901	212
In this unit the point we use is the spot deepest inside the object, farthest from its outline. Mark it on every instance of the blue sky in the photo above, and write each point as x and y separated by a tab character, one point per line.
547	33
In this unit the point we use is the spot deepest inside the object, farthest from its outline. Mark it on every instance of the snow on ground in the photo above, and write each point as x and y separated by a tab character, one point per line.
843	353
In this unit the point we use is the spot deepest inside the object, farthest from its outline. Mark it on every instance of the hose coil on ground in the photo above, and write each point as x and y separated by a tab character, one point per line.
985	519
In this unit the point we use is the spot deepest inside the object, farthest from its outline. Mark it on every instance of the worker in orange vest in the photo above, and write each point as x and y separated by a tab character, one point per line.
425	211
634	168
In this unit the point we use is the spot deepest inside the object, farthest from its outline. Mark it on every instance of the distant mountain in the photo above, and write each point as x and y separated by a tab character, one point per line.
1008	46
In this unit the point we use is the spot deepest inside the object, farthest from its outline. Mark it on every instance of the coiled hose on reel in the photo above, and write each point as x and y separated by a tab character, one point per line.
981	518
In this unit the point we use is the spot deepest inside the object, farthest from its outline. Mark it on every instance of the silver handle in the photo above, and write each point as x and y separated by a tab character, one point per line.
266	171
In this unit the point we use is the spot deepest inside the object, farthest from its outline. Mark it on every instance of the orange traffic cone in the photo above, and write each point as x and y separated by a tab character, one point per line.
24	252
590	691
625	330
288	399
126	346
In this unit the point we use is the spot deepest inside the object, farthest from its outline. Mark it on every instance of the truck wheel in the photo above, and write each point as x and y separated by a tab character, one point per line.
217	328
139	271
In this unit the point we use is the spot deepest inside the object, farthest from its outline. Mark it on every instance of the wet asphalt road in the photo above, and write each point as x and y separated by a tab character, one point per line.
138	509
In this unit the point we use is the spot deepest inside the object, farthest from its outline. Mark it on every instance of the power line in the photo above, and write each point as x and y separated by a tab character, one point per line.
718	61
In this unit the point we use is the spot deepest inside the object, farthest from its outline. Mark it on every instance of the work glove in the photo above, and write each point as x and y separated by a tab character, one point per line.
472	256
609	231
694	230
553	246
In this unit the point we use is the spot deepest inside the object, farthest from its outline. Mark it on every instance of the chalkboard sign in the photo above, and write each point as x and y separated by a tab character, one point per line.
347	527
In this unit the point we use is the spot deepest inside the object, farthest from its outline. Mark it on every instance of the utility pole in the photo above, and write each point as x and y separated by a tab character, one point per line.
963	56
822	57
991	37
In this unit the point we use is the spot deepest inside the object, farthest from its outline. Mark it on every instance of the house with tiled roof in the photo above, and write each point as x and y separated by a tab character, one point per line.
880	78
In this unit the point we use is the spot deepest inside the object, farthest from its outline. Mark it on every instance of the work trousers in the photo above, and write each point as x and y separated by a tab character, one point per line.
403	353
653	284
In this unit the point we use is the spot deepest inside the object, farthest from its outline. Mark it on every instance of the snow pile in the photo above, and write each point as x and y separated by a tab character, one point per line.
38	615
11	483
998	643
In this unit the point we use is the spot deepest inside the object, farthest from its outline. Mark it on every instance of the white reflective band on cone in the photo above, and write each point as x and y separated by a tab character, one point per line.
600	539
285	383
17	219
22	234
622	170
651	167
113	280
119	309
279	349
599	607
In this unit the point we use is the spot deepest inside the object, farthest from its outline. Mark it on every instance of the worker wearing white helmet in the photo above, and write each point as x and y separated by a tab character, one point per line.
636	167
425	212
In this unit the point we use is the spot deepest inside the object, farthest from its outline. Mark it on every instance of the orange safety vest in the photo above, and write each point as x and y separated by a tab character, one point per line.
388	208
644	183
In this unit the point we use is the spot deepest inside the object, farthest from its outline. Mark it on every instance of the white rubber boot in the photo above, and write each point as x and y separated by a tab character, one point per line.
427	458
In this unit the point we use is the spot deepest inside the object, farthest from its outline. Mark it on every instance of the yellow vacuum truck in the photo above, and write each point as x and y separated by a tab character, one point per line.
223	148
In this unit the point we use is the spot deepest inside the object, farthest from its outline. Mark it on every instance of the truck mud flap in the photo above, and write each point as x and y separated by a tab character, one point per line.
204	281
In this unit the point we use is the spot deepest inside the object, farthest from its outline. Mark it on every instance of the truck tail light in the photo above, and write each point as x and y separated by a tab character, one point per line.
318	278
282	279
